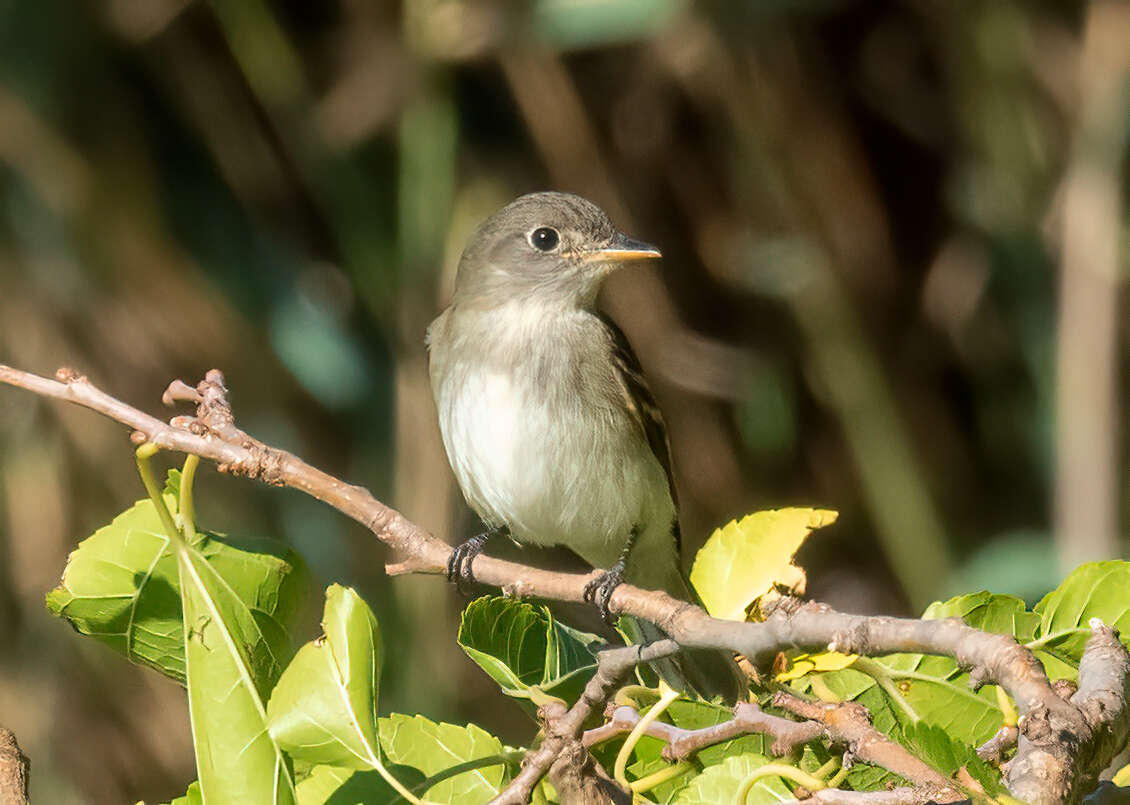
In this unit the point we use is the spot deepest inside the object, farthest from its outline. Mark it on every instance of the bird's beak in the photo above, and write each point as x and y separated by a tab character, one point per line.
623	249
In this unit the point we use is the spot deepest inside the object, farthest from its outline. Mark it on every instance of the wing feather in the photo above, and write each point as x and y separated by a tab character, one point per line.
639	400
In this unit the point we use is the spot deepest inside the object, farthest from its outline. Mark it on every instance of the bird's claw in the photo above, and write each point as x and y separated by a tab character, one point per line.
599	591
462	557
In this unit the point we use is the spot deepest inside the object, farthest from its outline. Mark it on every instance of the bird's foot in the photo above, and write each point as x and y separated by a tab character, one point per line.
599	591
462	556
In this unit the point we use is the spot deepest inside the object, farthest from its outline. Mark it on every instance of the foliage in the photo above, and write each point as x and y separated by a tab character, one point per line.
121	586
745	559
525	650
859	203
274	725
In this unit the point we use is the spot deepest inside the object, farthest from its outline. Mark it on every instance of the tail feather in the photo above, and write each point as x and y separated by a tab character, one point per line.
710	673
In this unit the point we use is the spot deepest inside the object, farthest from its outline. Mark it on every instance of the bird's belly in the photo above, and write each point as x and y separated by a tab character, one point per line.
553	471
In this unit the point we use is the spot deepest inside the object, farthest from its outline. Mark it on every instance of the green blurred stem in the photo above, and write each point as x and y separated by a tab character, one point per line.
660	777
909	526
187	504
885	678
777	770
143	455
507	757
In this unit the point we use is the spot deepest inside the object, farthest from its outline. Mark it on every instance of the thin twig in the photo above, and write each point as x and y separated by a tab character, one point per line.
849	724
787	735
994	749
563	727
838	796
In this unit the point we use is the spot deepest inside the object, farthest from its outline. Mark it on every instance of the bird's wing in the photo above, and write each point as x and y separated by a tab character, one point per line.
639	400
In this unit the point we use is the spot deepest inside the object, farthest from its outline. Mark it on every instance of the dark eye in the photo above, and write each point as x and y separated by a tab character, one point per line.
544	238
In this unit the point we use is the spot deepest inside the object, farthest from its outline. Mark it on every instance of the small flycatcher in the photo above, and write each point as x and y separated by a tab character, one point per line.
549	425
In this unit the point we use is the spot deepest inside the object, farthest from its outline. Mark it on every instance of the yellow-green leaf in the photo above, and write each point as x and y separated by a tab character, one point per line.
237	759
323	709
816	663
122	587
744	559
434	747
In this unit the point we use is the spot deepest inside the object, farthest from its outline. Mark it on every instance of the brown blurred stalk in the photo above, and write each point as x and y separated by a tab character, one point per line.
1086	492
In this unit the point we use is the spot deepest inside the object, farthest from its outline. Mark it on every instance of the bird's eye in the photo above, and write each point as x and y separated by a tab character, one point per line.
544	238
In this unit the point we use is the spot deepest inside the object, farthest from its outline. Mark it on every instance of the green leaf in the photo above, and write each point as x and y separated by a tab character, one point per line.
333	785
864	777
323	709
720	783
432	747
522	647
191	797
934	689
744	559
936	748
849	684
228	664
1093	590
647	759
990	612
121	586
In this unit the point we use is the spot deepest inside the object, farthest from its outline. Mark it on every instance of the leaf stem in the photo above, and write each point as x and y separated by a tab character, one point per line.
627	695
838	777
507	757
667	695
187	506
884	679
1032	645
777	770
390	778
143	454
658	778
829	766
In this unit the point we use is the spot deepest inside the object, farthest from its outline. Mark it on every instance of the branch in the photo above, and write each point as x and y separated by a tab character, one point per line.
849	724
838	796
993	750
562	730
788	736
846	724
14	768
1051	764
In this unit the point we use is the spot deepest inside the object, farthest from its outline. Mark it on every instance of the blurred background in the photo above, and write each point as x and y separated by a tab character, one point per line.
894	259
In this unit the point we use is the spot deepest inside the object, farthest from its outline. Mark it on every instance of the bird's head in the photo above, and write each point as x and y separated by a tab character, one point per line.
545	247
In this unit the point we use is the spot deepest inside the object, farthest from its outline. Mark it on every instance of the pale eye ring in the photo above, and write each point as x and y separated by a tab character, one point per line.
544	238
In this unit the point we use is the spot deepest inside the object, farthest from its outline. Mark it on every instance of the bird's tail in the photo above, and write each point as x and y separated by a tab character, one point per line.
710	673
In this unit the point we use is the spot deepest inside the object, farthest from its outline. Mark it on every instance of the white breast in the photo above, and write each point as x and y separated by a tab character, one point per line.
555	467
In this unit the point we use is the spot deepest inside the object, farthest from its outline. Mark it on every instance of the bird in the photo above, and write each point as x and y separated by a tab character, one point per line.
549	425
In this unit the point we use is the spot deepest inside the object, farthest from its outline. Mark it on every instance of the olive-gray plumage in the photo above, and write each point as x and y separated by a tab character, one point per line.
547	421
